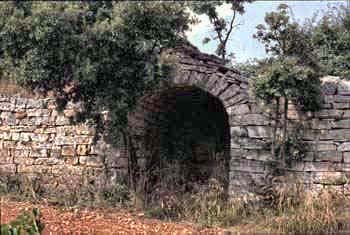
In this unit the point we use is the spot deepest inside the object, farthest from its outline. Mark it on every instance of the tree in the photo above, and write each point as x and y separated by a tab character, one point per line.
106	52
330	38
109	50
222	27
291	74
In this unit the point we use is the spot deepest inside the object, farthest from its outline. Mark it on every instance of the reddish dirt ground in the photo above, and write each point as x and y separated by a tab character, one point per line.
106	221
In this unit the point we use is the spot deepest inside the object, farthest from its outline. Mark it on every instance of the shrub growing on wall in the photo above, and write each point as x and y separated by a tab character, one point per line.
108	50
290	75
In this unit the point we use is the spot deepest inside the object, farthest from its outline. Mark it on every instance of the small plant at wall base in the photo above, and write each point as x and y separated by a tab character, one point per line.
291	74
27	223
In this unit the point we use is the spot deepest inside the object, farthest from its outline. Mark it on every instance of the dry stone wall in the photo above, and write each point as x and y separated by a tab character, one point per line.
38	141
327	138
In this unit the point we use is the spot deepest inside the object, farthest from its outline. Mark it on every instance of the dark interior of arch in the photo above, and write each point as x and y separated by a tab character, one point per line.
187	143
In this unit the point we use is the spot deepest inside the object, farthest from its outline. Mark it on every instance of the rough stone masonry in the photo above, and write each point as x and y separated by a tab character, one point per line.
38	141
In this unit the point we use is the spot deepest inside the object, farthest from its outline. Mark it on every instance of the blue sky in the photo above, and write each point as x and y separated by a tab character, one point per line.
242	44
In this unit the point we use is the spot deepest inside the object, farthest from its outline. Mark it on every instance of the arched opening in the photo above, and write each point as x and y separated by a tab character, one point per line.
186	141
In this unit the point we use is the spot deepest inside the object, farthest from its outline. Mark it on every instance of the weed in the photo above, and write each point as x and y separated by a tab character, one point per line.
27	223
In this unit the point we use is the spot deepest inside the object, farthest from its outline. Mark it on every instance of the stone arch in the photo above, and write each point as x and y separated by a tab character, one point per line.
246	123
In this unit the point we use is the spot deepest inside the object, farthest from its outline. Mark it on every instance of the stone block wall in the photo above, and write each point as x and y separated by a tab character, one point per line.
36	140
327	139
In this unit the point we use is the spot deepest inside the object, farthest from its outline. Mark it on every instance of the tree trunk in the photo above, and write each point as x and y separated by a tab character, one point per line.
273	143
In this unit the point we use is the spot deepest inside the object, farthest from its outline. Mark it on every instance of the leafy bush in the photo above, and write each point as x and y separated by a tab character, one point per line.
27	223
107	51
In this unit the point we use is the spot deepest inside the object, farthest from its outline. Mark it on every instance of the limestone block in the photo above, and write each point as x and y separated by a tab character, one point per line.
71	161
247	166
346	156
329	156
49	130
84	130
38	112
344	147
239	98
68	151
83	139
264	155
259	131
344	87
250	154
35	104
92	161
321	124
38	152
7	168
34	169
69	130
238	131
340	134
15	136
328	99
20	115
346	113
308	156
297	166
62	120
344	167
6	136
340	124
48	161
64	140
55	152
318	166
8	118
25	161
40	137
341	99
82	149
328	114
7	106
309	134
42	121
5	158
249	119
25	137
21	153
248	143
240	109
230	92
341	105
324	146
21	103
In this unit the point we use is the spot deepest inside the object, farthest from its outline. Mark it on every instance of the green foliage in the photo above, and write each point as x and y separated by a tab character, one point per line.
331	41
284	38
295	147
27	223
290	80
291	74
108	50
